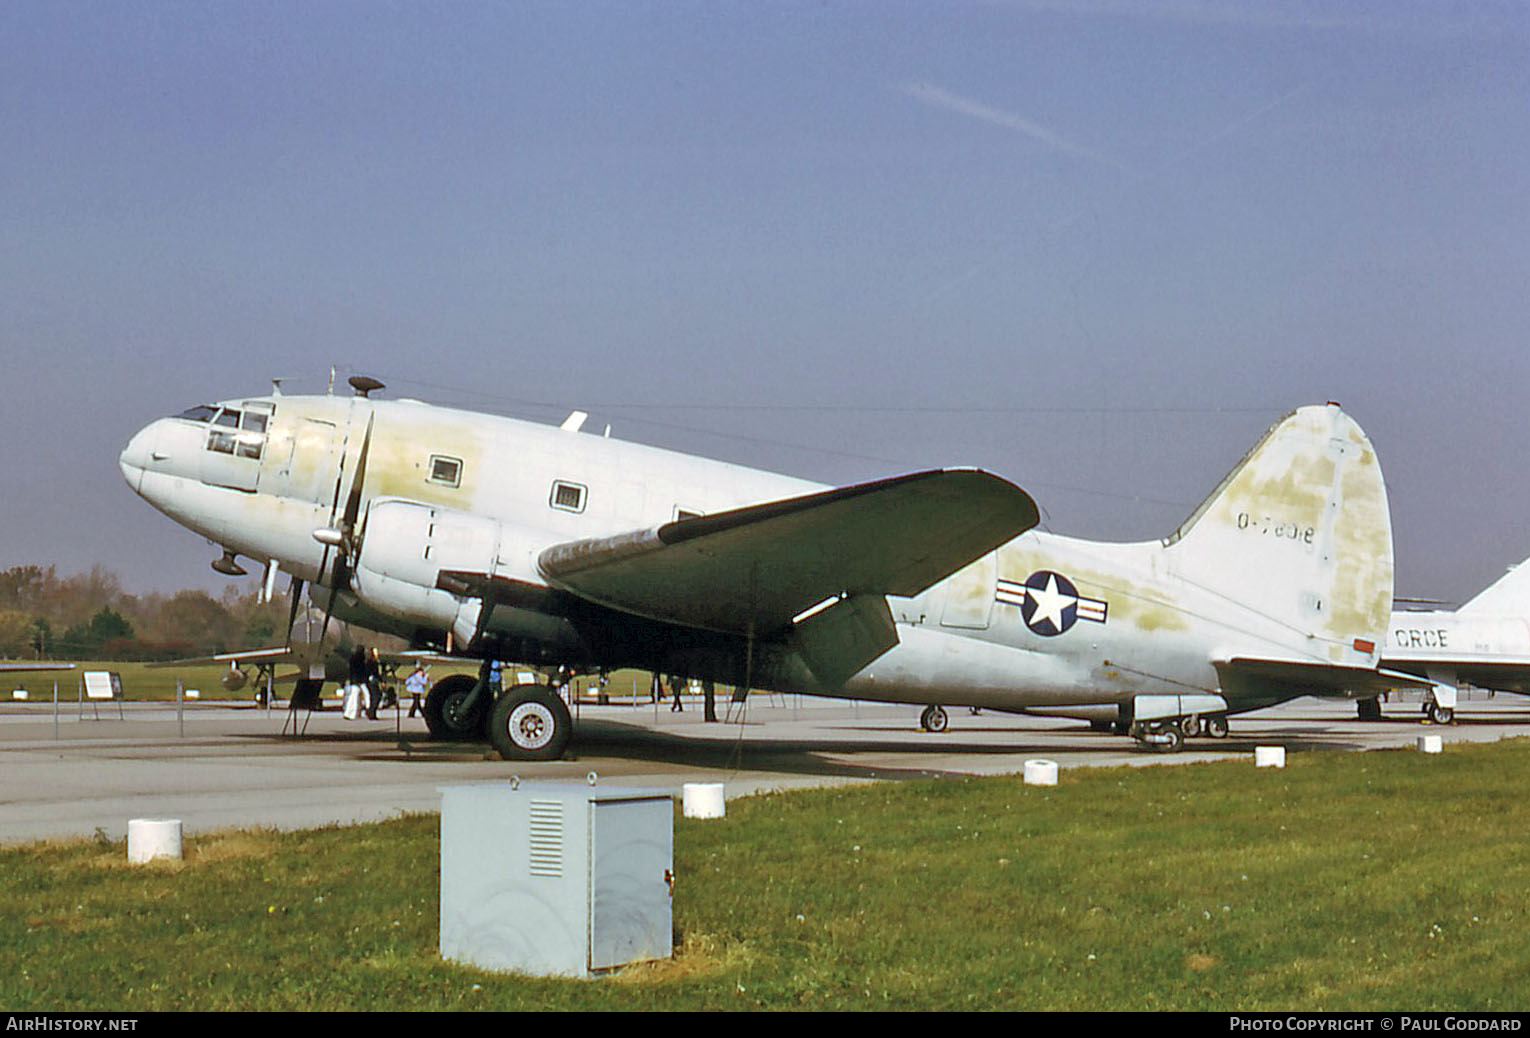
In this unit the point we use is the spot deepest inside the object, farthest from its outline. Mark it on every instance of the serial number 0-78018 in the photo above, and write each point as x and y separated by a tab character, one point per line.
1271	527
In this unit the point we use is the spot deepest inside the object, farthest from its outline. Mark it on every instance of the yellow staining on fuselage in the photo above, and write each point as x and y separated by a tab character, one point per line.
406	438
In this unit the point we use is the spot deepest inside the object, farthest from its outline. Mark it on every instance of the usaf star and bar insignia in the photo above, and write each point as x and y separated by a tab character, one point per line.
1049	603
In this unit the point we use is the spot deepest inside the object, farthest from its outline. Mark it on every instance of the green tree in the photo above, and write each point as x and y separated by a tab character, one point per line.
42	637
15	632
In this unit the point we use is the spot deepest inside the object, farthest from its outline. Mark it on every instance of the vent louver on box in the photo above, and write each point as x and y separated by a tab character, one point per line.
546	844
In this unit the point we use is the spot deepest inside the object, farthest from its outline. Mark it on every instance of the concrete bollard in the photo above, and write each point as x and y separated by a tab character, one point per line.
703	800
1269	756
1041	773
1430	743
150	838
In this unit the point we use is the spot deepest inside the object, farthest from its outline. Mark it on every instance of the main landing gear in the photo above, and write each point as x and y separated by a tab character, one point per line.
934	719
1168	735
530	722
525	722
1370	710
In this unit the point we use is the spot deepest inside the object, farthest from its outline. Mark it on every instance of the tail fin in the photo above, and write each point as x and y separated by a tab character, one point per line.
1300	533
1509	595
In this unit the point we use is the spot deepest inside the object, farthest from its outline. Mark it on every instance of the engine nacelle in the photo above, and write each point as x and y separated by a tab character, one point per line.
406	545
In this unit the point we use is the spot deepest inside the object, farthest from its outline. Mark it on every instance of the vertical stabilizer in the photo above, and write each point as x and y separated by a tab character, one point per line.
1509	595
1300	533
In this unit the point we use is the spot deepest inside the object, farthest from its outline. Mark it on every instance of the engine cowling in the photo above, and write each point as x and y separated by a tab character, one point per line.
406	545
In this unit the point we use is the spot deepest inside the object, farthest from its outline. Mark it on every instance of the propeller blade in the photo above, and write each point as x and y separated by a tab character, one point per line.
297	598
352	545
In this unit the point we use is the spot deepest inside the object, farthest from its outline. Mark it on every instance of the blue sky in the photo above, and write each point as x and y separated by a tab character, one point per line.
1096	246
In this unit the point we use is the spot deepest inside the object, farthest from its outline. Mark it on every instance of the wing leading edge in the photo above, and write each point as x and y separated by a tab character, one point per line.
755	568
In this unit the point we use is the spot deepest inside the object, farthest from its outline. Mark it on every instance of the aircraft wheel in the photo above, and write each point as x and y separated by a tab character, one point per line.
1216	726
1368	709
1441	714
934	719
530	723
447	714
1174	738
1167	737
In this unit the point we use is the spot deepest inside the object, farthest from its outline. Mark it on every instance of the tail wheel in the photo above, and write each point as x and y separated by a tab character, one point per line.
530	723
448	714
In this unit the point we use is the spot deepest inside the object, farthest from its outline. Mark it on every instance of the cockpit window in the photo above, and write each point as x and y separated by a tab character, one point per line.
199	413
242	434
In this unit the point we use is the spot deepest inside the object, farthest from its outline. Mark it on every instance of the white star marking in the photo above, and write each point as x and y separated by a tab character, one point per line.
1050	603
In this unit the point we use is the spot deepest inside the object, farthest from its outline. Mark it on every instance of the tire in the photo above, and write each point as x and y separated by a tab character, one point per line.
444	715
1441	714
1175	741
1368	709
530	723
934	719
1216	726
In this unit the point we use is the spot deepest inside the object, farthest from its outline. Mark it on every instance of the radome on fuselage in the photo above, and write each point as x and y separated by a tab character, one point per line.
497	537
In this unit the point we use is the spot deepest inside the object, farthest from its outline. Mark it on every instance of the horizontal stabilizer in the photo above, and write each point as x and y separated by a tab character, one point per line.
277	654
756	568
1504	674
1248	678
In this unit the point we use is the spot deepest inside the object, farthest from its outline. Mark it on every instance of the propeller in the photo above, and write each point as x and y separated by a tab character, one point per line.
343	537
296	592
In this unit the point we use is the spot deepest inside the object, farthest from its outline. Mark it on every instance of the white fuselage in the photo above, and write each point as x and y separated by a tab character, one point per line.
1044	620
1461	648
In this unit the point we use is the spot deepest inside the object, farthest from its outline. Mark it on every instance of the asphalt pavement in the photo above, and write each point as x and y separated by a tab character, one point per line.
83	771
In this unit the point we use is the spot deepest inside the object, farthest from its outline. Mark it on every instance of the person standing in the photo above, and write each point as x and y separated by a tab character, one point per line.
416	685
372	683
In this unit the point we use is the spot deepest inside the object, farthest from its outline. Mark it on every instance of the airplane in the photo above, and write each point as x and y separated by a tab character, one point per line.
24	668
1483	644
493	538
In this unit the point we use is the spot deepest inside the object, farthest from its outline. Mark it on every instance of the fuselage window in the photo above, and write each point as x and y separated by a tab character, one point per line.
446	471
567	496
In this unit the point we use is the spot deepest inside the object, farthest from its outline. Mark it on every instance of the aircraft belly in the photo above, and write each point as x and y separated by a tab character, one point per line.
928	666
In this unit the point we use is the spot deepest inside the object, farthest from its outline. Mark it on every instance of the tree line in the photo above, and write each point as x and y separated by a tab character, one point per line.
89	616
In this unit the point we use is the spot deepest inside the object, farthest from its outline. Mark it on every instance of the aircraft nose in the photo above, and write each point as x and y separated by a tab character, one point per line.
136	456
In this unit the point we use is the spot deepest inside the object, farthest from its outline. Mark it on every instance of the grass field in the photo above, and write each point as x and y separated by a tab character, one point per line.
1377	881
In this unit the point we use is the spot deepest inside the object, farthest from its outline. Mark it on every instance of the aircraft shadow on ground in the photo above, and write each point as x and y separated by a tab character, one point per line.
816	757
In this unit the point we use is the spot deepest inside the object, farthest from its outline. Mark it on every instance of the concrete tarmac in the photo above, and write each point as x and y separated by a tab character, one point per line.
78	773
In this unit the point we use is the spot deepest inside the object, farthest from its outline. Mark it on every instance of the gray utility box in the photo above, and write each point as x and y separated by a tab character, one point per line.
555	879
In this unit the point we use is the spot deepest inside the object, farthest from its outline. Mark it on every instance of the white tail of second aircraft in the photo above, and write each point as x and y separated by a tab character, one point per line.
1509	595
1300	533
